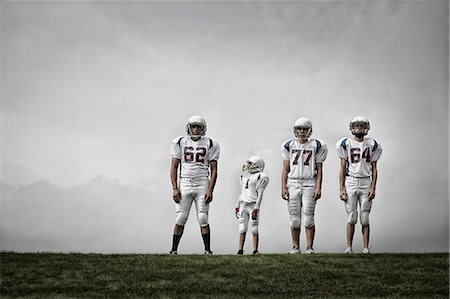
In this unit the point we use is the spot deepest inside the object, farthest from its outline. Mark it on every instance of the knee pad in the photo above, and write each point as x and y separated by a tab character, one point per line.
181	218
309	221
295	222
364	218
352	217
243	227
202	219
255	227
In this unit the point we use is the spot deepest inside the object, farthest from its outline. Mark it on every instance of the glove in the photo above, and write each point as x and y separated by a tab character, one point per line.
236	211
254	214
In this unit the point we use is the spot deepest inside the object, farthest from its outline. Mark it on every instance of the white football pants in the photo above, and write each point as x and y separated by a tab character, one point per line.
358	190
193	190
301	202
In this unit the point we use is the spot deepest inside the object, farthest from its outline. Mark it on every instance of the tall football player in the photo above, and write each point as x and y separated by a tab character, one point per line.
358	177
196	156
253	183
301	180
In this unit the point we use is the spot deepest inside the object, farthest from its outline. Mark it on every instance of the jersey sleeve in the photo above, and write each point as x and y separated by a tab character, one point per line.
341	148
376	151
214	152
262	183
322	152
285	149
175	148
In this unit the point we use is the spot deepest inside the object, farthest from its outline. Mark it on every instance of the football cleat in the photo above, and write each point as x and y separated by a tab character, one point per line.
295	250
208	252
309	250
366	250
173	252
255	252
348	250
240	251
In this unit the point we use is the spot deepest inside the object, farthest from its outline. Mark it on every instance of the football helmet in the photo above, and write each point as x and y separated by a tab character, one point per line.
303	122
196	120
359	120
254	164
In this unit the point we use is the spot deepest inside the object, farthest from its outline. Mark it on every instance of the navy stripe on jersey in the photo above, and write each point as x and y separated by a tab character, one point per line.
375	146
210	143
179	141
259	176
343	144
287	145
319	145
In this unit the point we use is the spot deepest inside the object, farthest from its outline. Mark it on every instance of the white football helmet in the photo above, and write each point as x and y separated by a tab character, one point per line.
303	122
196	120
359	120
254	164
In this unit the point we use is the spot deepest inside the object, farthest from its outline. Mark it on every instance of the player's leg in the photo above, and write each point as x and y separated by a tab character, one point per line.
294	208
351	207
308	210
254	224
243	226
182	209
366	206
202	216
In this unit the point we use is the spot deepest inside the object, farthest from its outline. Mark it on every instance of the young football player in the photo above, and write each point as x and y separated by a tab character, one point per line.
253	183
301	180
196	155
358	178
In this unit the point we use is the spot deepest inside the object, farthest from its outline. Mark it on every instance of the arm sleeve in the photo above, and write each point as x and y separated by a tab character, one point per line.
377	151
175	150
322	153
214	152
260	187
341	148
285	150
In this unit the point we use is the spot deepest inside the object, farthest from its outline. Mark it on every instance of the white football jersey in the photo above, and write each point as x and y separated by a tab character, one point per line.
194	155
251	184
359	155
303	157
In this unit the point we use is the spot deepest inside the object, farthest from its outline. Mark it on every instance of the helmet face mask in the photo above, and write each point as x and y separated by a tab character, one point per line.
359	126
191	126
303	123
253	165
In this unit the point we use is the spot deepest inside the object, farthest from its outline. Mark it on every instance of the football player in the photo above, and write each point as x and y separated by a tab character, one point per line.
358	177
196	156
253	183
301	180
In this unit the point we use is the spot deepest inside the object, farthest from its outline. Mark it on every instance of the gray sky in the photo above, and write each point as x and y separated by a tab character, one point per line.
94	92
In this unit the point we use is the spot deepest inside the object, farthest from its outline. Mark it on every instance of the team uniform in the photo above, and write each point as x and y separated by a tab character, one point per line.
252	188
301	182
359	157
194	157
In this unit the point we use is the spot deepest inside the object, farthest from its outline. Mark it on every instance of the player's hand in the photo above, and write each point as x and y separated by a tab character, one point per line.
236	212
371	193
317	194
208	197
285	194
176	195
343	195
254	214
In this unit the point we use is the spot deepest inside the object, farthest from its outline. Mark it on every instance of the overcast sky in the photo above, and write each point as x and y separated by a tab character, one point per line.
94	92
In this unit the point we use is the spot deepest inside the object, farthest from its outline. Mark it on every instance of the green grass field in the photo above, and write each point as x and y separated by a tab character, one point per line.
53	275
